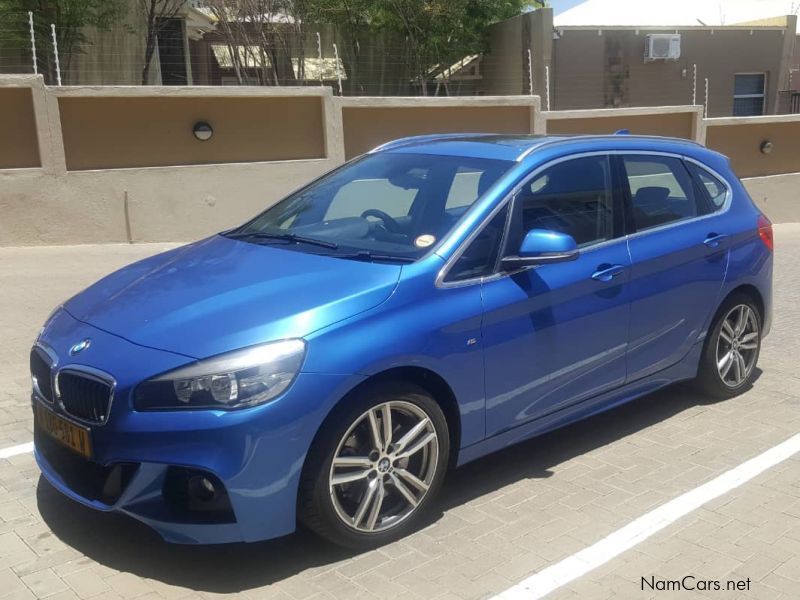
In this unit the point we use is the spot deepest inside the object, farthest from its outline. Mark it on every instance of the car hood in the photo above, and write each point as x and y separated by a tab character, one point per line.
220	294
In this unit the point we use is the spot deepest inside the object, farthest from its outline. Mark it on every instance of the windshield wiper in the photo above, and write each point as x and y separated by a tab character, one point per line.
364	255
371	256
285	237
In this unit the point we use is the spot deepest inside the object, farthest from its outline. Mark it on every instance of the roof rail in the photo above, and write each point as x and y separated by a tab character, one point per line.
416	139
558	139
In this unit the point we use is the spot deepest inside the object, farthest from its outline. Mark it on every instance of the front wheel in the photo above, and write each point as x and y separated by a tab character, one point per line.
376	467
727	366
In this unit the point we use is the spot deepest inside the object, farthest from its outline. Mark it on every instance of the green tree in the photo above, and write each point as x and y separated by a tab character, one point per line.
441	32
262	32
70	18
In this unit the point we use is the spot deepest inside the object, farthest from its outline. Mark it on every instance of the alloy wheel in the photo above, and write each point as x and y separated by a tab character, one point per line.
383	466
737	345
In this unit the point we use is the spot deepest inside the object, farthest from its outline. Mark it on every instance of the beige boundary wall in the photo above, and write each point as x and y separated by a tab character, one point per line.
120	164
20	146
741	138
674	121
772	179
154	192
369	122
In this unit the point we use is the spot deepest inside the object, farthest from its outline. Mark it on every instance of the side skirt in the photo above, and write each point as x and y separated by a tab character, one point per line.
685	369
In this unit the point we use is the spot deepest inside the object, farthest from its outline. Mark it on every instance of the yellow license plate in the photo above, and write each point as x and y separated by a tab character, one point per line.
73	436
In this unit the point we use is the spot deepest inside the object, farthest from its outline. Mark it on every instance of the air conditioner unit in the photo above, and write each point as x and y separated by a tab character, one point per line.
663	46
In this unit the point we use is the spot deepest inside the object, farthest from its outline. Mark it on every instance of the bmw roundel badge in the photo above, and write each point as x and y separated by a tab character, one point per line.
80	346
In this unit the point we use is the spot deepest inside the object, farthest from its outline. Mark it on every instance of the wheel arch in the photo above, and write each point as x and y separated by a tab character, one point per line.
751	292
437	387
746	289
427	379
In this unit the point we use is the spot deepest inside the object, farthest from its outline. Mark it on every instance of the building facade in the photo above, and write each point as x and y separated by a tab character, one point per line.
740	70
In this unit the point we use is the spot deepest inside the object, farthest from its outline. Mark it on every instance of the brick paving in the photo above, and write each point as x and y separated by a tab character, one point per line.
499	520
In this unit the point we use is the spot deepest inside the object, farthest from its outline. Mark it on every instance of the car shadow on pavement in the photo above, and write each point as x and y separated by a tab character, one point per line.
126	545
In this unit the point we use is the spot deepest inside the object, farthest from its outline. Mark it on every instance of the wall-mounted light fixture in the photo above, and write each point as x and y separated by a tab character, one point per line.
766	147
202	131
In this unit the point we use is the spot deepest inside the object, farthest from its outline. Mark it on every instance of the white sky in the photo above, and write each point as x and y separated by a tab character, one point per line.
668	12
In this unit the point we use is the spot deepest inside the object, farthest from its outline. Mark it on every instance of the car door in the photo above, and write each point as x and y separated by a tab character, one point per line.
679	254
556	334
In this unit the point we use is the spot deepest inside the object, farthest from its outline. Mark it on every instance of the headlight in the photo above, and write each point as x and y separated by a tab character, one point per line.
242	378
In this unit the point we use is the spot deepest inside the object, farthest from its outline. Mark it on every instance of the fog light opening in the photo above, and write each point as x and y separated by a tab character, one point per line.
202	488
197	496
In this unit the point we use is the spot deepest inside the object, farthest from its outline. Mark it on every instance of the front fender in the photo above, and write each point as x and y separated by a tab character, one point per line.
423	326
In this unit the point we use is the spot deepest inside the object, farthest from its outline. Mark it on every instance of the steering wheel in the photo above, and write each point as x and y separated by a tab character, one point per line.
388	222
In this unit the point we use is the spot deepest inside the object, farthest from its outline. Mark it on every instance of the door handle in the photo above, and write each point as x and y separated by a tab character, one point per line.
713	240
607	272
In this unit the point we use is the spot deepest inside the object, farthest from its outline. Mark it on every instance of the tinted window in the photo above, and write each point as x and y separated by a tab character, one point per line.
572	197
749	84
661	191
389	204
479	259
748	94
713	189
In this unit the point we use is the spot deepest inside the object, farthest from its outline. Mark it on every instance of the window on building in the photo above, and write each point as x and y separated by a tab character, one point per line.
748	94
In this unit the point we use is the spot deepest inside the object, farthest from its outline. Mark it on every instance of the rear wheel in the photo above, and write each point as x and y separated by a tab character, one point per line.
376	467
727	366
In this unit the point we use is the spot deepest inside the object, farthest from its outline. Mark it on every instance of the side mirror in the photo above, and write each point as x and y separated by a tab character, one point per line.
541	247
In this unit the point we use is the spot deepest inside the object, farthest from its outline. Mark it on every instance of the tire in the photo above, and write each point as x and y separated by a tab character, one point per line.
734	376
338	502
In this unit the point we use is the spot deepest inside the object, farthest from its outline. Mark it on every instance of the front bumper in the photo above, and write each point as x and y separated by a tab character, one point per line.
256	454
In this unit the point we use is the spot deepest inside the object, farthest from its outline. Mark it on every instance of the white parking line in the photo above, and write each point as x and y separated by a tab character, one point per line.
15	450
555	576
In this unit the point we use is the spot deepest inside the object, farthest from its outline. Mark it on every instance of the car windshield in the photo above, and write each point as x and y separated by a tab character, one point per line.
383	207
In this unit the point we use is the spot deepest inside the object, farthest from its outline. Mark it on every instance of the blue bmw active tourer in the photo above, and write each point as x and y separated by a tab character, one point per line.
419	307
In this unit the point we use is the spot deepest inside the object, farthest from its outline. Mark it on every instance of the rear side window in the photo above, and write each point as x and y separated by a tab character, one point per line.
712	188
661	191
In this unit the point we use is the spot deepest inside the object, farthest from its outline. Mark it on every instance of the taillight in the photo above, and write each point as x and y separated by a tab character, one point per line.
765	232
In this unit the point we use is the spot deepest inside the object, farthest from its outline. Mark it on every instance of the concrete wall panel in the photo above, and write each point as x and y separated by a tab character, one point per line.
19	146
777	196
503	68
171	204
368	127
676	124
741	141
125	132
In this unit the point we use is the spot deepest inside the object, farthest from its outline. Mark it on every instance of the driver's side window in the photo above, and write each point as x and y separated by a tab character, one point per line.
572	197
357	196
